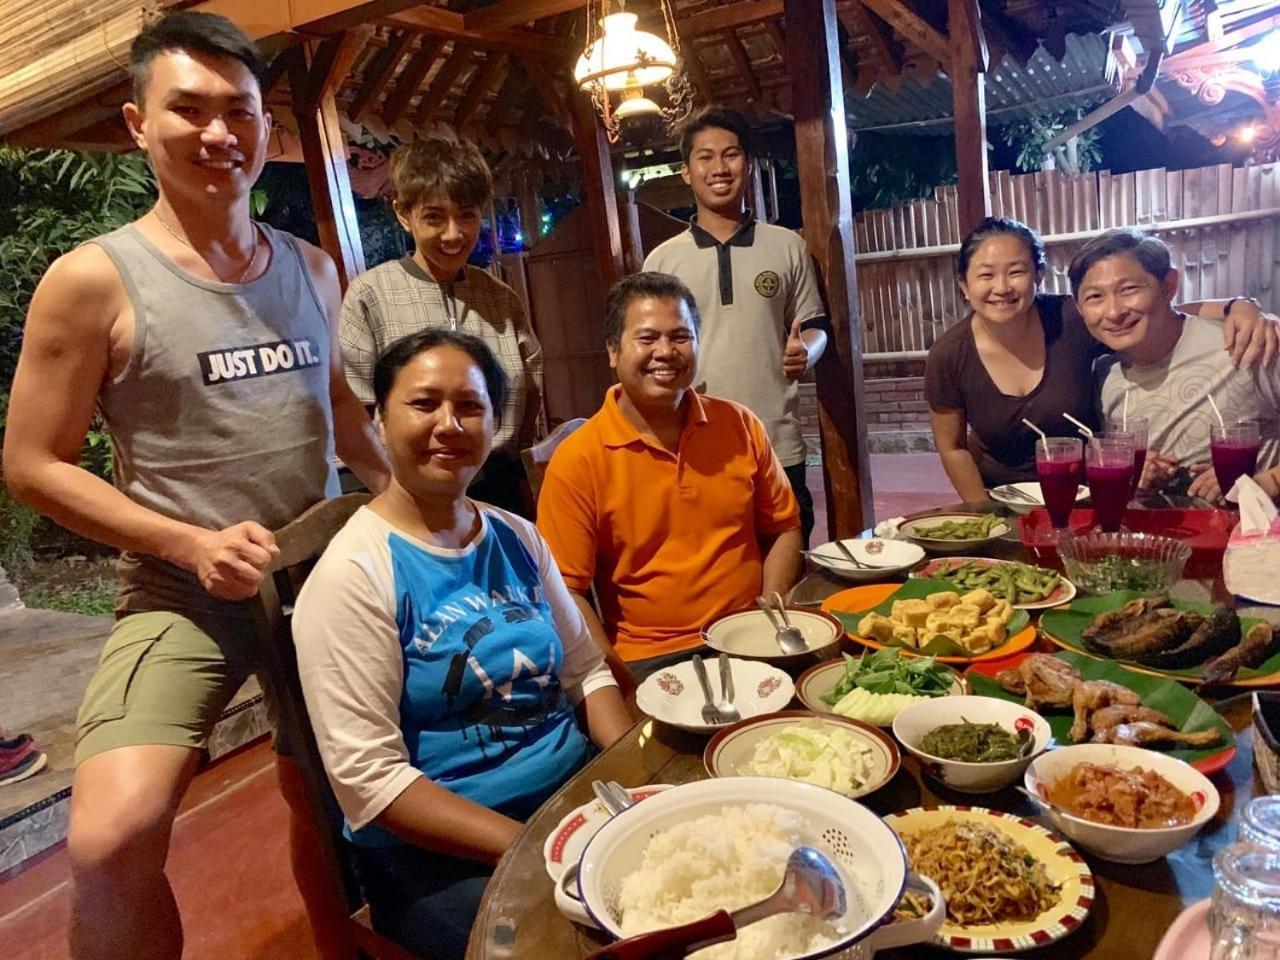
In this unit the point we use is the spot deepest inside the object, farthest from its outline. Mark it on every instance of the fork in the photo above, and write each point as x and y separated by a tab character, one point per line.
1013	493
728	712
710	712
850	557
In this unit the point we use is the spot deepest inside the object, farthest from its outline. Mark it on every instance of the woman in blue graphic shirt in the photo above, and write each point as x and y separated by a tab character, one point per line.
452	684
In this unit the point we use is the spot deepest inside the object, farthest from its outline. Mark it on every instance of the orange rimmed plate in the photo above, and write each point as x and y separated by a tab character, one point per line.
861	599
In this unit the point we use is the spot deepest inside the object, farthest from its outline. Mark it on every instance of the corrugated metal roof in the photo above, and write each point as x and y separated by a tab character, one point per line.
1083	78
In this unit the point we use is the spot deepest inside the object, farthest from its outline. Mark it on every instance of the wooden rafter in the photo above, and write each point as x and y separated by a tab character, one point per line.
333	60
697	73
379	74
478	88
415	71
508	96
442	82
910	26
452	26
743	63
546	88
881	35
729	16
512	13
73	119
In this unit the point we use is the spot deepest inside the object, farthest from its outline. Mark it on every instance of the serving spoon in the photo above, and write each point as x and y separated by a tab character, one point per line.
811	885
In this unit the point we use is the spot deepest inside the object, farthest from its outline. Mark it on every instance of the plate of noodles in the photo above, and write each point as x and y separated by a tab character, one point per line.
1010	884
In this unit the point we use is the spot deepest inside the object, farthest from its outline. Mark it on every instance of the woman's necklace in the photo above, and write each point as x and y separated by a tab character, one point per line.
187	243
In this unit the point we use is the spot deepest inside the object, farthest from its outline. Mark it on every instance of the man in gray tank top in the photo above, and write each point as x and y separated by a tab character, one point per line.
207	342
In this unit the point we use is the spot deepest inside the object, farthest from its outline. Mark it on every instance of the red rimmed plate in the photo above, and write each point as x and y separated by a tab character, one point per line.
566	842
1065	867
1168	696
1065	592
861	599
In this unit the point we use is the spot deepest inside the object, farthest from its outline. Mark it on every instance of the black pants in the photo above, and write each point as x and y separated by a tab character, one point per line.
801	489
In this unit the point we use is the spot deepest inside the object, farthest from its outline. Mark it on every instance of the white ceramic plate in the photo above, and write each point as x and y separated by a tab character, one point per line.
732	748
1064	594
672	695
816	681
748	633
886	557
566	842
1066	868
1000	494
910	528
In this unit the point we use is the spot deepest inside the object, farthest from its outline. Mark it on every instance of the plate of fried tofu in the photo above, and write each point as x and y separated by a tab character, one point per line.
932	618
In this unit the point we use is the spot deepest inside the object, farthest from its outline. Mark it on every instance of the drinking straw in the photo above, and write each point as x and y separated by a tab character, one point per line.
1080	426
1043	438
1124	413
1216	412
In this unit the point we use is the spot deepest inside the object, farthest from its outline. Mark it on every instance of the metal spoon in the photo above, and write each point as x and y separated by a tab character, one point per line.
728	712
790	639
785	645
811	885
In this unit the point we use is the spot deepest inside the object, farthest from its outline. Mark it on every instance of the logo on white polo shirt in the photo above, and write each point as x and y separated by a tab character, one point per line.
767	284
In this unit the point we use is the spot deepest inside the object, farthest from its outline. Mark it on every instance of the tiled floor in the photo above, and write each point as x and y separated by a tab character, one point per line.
229	860
229	864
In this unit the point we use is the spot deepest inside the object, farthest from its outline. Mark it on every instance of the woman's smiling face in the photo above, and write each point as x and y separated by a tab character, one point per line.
1000	282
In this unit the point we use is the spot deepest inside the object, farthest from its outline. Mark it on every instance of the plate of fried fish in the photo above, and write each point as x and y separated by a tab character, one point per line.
1191	642
1086	700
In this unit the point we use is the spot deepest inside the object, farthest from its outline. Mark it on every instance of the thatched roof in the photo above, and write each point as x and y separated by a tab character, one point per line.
479	67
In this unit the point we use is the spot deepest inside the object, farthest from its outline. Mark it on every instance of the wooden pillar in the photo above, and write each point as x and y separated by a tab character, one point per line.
632	242
324	153
822	156
598	189
968	66
758	206
530	205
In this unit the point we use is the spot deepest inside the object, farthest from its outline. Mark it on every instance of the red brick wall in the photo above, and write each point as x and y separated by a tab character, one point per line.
892	405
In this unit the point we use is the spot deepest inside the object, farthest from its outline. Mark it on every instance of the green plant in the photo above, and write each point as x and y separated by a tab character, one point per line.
887	169
19	530
1030	136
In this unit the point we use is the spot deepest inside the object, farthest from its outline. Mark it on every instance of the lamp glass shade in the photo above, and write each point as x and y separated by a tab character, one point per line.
621	51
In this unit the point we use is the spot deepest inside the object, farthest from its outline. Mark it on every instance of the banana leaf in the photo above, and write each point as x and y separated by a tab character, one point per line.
1065	626
1188	712
917	590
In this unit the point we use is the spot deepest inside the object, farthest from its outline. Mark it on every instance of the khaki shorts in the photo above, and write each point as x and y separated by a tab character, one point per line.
161	679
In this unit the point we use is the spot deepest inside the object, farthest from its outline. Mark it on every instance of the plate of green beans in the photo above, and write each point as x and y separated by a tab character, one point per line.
953	532
1025	586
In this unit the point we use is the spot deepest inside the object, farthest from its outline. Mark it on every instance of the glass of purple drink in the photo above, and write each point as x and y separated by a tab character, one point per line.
1058	465
1136	428
1108	463
1234	449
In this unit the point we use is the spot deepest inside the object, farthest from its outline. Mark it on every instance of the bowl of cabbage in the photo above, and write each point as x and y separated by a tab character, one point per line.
973	744
843	755
666	862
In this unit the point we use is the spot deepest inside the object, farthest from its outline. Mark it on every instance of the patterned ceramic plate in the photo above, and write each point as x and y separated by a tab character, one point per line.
732	748
1066	868
1063	594
673	696
567	841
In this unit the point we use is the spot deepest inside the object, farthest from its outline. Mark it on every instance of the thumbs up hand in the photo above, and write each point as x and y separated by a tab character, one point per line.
795	355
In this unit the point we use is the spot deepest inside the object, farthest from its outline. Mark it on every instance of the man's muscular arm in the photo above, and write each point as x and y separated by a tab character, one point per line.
66	350
355	437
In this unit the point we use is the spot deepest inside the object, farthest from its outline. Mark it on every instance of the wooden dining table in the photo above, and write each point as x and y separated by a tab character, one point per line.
1134	906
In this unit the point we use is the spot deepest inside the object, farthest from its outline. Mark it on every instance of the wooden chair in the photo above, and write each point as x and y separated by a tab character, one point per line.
537	457
301	543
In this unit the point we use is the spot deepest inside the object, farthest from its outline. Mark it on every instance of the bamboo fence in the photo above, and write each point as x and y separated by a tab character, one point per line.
1221	221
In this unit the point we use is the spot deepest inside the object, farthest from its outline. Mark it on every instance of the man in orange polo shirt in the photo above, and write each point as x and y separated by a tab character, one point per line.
673	504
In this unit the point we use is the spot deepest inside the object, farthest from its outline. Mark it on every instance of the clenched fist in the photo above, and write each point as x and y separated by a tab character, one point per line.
230	563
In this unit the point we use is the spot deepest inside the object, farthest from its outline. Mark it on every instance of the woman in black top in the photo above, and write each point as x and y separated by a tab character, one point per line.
1022	354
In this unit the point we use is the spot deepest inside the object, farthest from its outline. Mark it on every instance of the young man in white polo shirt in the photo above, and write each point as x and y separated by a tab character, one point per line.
763	321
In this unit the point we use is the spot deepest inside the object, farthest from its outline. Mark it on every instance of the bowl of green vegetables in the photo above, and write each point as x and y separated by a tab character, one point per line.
876	687
953	532
973	744
1101	563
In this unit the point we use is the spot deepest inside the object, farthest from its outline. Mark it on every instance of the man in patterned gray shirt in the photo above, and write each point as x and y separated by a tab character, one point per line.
440	189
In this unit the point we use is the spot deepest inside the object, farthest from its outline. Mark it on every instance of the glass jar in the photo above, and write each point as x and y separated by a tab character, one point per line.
1260	822
1244	916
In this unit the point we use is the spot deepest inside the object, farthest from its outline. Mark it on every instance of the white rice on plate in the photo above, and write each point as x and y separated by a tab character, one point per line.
727	861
